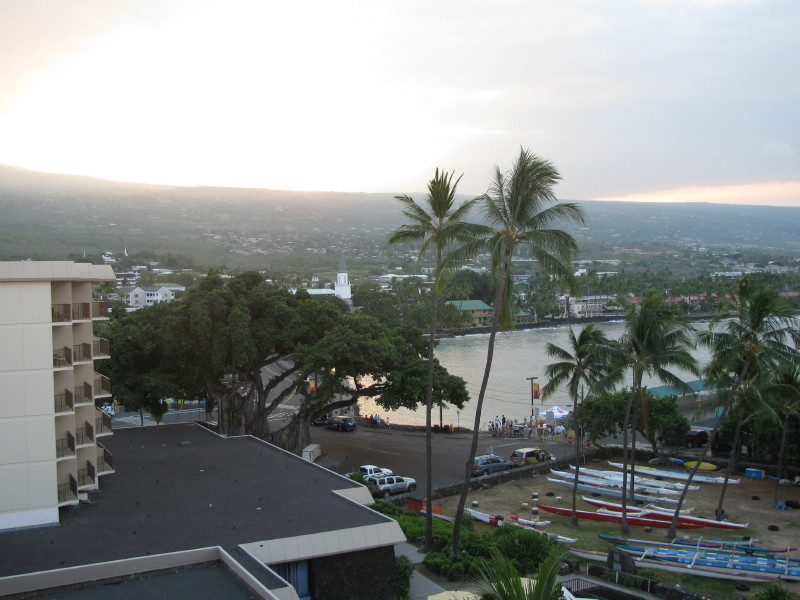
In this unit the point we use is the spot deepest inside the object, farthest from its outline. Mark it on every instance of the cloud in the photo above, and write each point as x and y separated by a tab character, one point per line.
774	193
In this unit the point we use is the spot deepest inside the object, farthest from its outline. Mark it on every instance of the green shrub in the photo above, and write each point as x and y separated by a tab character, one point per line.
525	549
774	592
404	569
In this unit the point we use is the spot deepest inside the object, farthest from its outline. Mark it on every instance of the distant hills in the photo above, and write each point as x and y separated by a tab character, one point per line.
47	215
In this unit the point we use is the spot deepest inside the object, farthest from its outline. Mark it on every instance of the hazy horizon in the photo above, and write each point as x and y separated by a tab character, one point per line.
654	100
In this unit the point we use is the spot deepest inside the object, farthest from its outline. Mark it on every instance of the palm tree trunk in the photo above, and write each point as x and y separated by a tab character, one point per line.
731	465
674	524
499	298
428	411
780	459
624	530
578	452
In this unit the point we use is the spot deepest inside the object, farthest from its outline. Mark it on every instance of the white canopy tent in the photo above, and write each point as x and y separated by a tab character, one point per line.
558	412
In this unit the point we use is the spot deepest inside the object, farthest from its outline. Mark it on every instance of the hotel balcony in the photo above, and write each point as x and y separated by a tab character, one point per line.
86	476
102	424
62	357
68	492
64	403
83	394
102	386
100	348
62	313
105	461
84	436
82	353
81	311
99	310
65	447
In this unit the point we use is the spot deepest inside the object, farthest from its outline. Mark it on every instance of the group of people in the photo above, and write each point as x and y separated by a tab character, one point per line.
502	427
376	421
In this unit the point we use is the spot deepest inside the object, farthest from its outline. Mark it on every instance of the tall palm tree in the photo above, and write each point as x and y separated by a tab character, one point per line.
785	398
520	208
498	577
753	343
436	223
656	339
588	360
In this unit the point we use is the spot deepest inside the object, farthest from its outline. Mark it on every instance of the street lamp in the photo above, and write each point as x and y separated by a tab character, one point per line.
534	396
458	419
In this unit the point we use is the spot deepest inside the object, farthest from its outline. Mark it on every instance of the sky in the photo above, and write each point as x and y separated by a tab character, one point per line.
641	100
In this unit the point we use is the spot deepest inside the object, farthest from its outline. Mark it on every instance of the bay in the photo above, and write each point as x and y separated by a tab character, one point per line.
518	355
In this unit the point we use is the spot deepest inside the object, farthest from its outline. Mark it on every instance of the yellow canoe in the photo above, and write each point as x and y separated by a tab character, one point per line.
704	466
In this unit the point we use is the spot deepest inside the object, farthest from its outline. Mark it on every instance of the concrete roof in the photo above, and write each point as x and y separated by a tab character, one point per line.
179	487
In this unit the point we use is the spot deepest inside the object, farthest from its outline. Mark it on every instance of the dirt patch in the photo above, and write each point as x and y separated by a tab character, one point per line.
749	501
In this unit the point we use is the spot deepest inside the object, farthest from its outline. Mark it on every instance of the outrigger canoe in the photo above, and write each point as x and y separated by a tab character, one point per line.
667	516
617	483
614	517
702	571
767	560
779	567
484	517
614	492
639	480
599	503
701	543
670	474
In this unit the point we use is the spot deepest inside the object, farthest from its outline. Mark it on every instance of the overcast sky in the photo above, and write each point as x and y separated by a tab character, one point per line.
634	99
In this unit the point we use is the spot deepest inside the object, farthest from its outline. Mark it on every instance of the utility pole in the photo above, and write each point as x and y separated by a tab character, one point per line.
534	396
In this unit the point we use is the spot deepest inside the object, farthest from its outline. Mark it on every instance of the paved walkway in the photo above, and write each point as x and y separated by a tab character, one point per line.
421	586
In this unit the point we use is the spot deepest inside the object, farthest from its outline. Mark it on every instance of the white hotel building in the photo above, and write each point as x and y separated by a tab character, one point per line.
50	431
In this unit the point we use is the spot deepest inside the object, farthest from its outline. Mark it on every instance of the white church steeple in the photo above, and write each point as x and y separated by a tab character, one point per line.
342	281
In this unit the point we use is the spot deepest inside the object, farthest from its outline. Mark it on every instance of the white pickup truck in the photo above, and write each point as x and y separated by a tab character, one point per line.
371	470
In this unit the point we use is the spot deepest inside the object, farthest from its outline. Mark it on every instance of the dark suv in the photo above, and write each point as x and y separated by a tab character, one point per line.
341	423
696	437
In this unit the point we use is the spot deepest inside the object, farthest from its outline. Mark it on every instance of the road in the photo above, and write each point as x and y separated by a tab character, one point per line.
404	451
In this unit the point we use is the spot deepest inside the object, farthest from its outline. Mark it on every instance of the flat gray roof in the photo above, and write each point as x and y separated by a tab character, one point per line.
179	487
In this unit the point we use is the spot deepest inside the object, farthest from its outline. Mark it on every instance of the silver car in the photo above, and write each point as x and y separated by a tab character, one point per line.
386	485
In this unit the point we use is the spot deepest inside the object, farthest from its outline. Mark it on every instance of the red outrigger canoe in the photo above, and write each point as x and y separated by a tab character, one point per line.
615	517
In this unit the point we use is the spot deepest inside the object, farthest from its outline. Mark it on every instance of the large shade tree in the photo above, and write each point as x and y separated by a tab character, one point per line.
521	210
435	223
578	368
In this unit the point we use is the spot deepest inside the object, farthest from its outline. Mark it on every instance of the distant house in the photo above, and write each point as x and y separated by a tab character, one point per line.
139	297
480	312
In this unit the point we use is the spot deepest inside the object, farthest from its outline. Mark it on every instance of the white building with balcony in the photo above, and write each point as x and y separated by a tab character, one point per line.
51	453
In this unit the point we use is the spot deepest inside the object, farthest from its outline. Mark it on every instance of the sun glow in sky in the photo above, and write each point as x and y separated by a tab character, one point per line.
656	100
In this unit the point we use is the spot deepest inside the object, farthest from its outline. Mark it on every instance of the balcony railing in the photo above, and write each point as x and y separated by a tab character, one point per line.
62	357
99	310
105	462
64	402
84	435
62	313
102	423
81	311
81	352
86	476
68	492
83	393
65	446
102	385
100	347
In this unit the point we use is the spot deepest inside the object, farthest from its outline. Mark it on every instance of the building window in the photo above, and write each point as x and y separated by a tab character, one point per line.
296	573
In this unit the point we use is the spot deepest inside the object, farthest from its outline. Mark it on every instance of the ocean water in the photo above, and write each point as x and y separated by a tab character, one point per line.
517	356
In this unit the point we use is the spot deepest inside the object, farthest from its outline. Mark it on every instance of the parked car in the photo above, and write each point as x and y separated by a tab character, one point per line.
386	485
528	456
371	470
696	437
320	421
489	463
341	423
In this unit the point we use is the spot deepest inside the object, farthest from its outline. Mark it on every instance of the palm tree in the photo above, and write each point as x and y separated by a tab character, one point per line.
785	394
436	225
520	208
753	344
587	361
656	339
499	577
